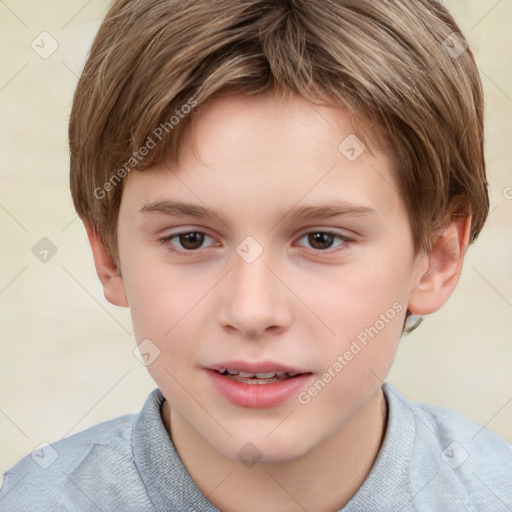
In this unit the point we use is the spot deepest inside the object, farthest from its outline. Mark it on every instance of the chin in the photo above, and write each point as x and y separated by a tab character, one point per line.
260	449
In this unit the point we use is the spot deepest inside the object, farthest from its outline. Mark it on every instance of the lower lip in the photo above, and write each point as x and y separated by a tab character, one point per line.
257	396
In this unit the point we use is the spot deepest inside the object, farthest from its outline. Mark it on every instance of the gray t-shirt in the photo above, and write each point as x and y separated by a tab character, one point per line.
431	460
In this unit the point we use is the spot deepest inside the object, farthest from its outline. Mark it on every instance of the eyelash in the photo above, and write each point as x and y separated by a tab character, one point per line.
166	241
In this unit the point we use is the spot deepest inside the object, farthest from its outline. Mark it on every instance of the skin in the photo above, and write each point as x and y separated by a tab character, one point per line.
256	158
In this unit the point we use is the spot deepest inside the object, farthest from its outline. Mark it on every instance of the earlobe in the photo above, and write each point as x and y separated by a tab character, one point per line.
444	267
108	272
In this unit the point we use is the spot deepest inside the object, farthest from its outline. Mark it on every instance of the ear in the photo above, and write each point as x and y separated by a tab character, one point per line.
109	274
444	267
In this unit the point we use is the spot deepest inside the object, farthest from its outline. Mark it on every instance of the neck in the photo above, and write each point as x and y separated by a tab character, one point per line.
323	479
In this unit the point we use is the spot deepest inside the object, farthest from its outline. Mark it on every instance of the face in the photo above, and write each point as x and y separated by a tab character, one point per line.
303	265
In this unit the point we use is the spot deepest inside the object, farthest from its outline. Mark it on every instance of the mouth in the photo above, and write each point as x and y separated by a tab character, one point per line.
257	385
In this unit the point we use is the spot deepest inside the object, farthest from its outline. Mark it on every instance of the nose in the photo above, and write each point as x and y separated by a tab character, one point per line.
254	300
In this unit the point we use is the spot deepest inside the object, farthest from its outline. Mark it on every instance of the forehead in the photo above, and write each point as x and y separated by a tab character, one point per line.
245	152
235	116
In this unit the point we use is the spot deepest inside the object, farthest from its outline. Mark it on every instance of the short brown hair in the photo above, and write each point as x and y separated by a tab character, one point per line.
402	65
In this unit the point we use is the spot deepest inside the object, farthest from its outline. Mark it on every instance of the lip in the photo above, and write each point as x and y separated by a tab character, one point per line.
257	396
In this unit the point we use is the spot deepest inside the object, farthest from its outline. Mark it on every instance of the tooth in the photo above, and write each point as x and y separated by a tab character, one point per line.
292	374
260	381
265	375
221	370
233	372
246	375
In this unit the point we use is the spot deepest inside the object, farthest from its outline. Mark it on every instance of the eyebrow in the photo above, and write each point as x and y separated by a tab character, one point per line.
181	209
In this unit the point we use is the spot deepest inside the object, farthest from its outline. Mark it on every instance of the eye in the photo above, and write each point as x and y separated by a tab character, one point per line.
192	241
322	240
189	241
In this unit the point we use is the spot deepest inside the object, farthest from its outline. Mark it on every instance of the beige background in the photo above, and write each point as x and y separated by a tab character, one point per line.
66	354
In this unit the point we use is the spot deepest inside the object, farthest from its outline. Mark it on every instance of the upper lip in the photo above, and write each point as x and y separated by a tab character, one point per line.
256	367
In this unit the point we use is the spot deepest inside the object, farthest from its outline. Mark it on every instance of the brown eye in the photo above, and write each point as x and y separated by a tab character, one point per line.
191	241
320	241
323	240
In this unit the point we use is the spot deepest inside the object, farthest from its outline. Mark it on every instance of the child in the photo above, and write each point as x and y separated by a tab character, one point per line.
328	155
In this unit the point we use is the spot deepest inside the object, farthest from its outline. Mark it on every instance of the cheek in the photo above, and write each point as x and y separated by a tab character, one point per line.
159	296
357	359
357	297
166	318
167	308
364	307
